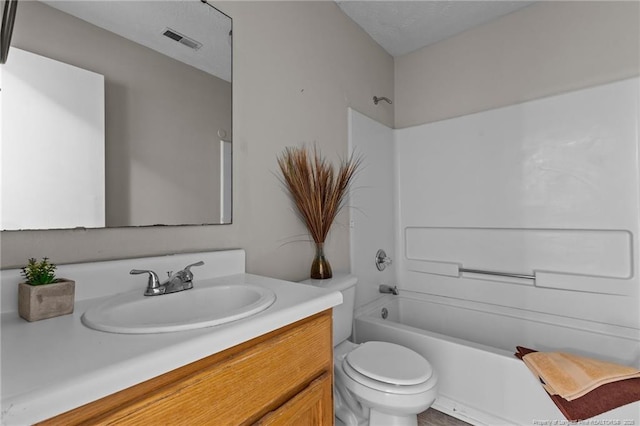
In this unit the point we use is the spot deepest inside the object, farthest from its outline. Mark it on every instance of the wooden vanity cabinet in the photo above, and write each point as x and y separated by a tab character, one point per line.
281	378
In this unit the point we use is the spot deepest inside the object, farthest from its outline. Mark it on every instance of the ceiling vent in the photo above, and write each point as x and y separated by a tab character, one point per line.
182	39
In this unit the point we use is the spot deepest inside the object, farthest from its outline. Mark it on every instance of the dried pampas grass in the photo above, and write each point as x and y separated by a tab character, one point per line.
318	192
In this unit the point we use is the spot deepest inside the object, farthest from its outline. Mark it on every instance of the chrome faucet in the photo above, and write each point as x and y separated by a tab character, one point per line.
388	289
181	280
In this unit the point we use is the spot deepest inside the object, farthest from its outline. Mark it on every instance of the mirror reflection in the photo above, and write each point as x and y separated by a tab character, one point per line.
129	112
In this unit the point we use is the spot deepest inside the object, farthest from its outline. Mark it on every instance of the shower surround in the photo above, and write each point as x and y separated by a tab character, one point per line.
528	214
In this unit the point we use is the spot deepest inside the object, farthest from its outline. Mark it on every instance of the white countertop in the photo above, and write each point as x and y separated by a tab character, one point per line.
54	365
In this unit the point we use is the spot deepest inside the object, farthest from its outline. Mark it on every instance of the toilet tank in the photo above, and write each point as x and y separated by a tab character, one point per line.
342	314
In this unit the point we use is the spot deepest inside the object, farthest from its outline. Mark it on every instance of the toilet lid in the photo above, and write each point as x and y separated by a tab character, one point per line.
389	363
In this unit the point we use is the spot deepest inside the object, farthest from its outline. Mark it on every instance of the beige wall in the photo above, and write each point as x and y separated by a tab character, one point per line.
544	49
297	67
150	100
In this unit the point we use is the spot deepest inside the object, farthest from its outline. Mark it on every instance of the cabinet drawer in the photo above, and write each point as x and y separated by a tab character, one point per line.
236	386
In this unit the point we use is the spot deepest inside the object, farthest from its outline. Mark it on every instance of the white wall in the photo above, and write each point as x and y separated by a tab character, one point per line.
297	67
52	168
547	188
372	205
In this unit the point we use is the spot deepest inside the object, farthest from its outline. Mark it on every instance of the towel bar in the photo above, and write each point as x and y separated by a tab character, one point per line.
500	274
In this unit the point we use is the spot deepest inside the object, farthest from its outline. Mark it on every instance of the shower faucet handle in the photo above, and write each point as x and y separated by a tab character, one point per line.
382	260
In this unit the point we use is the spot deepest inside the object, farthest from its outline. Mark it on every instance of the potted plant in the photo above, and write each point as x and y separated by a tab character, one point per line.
319	193
42	295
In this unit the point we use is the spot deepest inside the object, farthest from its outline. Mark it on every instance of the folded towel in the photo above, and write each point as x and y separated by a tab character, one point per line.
572	376
600	400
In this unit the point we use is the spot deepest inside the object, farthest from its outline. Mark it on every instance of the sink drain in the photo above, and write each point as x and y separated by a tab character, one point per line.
384	313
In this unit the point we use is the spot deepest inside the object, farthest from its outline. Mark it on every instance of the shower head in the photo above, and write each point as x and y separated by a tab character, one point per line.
377	99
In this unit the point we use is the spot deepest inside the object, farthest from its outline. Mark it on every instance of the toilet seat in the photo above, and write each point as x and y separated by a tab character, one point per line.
389	368
390	363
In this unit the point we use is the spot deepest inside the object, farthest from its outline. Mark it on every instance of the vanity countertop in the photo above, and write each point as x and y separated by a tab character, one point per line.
54	365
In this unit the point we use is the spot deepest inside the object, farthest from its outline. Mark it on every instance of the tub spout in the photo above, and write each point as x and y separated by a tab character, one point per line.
388	289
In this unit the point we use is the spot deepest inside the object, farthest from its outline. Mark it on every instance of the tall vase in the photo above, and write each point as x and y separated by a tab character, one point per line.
320	268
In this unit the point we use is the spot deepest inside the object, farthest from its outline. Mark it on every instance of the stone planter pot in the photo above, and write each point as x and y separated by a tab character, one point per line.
46	301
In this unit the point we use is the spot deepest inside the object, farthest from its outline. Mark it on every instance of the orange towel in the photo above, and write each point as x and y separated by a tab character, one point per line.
571	376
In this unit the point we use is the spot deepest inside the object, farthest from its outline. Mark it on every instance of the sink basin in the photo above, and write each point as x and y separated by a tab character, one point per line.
134	313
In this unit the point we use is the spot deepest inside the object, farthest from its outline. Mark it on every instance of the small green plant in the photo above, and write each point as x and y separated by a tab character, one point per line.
39	273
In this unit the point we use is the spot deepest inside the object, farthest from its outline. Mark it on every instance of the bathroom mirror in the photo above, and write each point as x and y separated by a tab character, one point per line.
166	67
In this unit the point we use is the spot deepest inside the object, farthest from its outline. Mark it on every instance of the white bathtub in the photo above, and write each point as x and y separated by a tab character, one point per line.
484	384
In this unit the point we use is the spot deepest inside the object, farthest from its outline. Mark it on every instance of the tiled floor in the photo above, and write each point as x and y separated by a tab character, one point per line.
433	417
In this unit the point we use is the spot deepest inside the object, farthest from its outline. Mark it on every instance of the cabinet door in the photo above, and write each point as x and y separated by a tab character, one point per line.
312	406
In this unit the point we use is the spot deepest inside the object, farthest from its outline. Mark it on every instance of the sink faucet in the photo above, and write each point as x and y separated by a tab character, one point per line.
181	280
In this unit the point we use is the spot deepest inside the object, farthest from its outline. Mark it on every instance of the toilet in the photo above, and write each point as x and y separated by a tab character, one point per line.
375	383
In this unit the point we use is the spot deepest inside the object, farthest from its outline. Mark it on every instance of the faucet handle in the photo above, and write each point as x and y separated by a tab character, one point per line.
382	260
188	267
186	273
153	285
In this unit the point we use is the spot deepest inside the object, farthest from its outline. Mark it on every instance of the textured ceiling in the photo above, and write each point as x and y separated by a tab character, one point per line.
403	26
144	22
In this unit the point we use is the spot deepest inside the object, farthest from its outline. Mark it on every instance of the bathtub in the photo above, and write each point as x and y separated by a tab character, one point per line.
480	383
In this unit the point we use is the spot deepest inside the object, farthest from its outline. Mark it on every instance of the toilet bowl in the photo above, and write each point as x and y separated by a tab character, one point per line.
376	383
381	383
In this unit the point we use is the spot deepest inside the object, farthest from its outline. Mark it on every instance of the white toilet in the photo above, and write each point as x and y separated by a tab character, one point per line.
376	383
